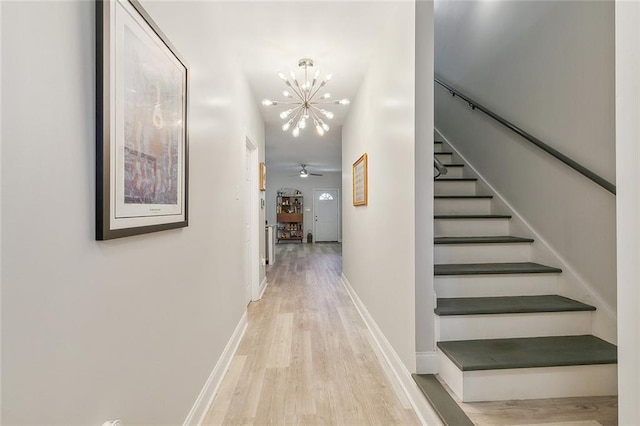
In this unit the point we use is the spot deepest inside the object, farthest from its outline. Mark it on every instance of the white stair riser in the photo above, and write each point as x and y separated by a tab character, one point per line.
443	187
454	172
462	206
495	285
482	253
471	227
529	383
437	147
502	326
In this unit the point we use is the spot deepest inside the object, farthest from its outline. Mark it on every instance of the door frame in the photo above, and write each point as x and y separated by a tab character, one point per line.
339	211
254	219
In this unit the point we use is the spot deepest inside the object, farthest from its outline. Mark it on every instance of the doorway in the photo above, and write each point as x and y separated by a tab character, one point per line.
326	211
250	221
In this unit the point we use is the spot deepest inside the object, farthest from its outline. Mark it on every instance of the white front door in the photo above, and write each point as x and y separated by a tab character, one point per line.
325	211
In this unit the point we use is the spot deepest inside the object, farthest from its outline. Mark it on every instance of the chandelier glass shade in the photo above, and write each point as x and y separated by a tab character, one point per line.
306	105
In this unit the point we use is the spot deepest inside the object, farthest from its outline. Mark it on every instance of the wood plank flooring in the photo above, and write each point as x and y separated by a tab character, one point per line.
306	357
595	410
582	411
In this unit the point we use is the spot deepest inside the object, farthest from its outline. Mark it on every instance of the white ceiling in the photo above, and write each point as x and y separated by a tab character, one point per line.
270	37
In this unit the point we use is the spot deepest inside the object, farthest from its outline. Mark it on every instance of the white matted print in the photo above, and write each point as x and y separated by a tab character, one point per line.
360	185
142	134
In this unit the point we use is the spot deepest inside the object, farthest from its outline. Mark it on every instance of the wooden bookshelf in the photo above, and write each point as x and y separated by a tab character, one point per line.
289	216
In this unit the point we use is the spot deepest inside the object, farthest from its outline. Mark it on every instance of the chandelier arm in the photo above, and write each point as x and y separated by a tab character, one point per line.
324	114
306	94
322	102
315	116
295	117
317	90
287	103
316	108
305	113
291	118
297	91
313	84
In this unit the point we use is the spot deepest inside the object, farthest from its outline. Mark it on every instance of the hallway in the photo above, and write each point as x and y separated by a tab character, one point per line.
306	357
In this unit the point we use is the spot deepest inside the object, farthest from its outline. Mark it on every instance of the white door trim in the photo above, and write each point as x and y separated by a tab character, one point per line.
254	242
339	212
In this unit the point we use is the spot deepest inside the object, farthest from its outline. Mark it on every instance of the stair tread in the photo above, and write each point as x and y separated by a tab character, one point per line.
506	239
454	165
443	153
493	268
530	352
438	141
472	216
508	305
460	179
462	197
444	405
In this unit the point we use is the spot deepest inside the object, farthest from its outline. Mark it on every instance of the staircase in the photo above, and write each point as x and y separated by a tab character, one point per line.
502	330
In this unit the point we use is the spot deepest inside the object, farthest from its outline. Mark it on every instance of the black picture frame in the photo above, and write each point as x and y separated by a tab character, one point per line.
142	149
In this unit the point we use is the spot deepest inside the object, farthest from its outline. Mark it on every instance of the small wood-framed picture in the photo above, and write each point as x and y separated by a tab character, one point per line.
360	188
263	177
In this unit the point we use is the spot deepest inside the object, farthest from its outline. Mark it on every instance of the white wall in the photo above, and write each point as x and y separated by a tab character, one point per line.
378	239
549	68
128	328
628	208
0	219
425	336
280	179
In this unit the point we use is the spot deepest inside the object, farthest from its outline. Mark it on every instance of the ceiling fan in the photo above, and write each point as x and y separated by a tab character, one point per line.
304	173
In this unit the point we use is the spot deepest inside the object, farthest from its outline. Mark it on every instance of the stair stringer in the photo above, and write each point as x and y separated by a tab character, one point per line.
570	283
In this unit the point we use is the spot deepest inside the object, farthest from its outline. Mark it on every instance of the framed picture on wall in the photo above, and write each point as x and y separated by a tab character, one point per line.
263	177
141	124
360	187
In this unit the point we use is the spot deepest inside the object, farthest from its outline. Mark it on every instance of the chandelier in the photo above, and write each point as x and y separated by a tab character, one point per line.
305	103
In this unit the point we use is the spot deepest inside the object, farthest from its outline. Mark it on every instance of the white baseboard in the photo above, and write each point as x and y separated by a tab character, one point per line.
400	377
205	399
262	288
427	362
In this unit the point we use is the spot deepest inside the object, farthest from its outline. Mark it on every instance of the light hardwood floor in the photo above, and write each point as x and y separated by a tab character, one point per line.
306	357
582	411
587	411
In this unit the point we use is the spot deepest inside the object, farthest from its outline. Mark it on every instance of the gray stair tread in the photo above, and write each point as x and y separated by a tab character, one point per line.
462	179
462	197
531	352
493	268
508	305
506	239
444	405
472	216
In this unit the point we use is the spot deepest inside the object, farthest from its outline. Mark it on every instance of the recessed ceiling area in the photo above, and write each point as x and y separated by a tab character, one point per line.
270	37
